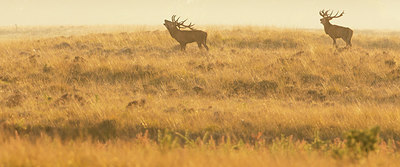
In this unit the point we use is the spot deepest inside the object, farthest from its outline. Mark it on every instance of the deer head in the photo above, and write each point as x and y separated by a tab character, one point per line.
176	24
327	17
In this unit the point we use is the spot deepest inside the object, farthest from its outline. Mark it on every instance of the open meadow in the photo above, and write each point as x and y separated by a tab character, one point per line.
262	96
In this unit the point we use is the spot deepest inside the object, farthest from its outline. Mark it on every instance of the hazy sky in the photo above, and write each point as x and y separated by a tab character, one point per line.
360	14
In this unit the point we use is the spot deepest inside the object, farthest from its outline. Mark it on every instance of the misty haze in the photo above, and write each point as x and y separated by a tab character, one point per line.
199	83
360	14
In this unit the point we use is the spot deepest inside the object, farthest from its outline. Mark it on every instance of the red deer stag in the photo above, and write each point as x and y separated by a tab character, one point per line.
185	36
335	31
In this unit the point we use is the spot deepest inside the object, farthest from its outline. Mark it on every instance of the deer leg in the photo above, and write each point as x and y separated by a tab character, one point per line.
349	42
350	34
183	46
205	44
350	45
334	42
199	44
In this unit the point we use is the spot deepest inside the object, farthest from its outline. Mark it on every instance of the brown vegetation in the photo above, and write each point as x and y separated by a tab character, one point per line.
278	98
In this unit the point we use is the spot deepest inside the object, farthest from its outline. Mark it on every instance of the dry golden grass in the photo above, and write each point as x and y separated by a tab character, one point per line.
113	96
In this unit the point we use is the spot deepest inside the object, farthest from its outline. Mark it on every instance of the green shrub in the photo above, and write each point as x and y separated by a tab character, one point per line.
359	143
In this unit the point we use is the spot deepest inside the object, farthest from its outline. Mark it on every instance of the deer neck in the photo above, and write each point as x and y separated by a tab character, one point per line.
327	26
174	32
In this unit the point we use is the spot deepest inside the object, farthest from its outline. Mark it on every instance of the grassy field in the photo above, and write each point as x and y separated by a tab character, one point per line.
127	96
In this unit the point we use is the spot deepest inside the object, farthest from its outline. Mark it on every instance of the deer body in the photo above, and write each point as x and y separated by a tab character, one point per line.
185	36
335	31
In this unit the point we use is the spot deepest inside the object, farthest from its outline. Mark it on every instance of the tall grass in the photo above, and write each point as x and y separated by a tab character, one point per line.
260	95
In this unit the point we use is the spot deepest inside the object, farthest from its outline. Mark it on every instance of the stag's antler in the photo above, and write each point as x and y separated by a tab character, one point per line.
336	15
173	18
182	23
324	13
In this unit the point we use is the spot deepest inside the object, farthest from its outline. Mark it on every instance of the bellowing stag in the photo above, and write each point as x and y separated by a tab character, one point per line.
185	36
335	31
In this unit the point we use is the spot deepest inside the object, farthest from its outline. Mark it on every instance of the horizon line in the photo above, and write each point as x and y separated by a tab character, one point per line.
203	25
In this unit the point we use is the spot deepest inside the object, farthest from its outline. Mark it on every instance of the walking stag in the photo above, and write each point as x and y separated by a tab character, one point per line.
335	31
185	36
